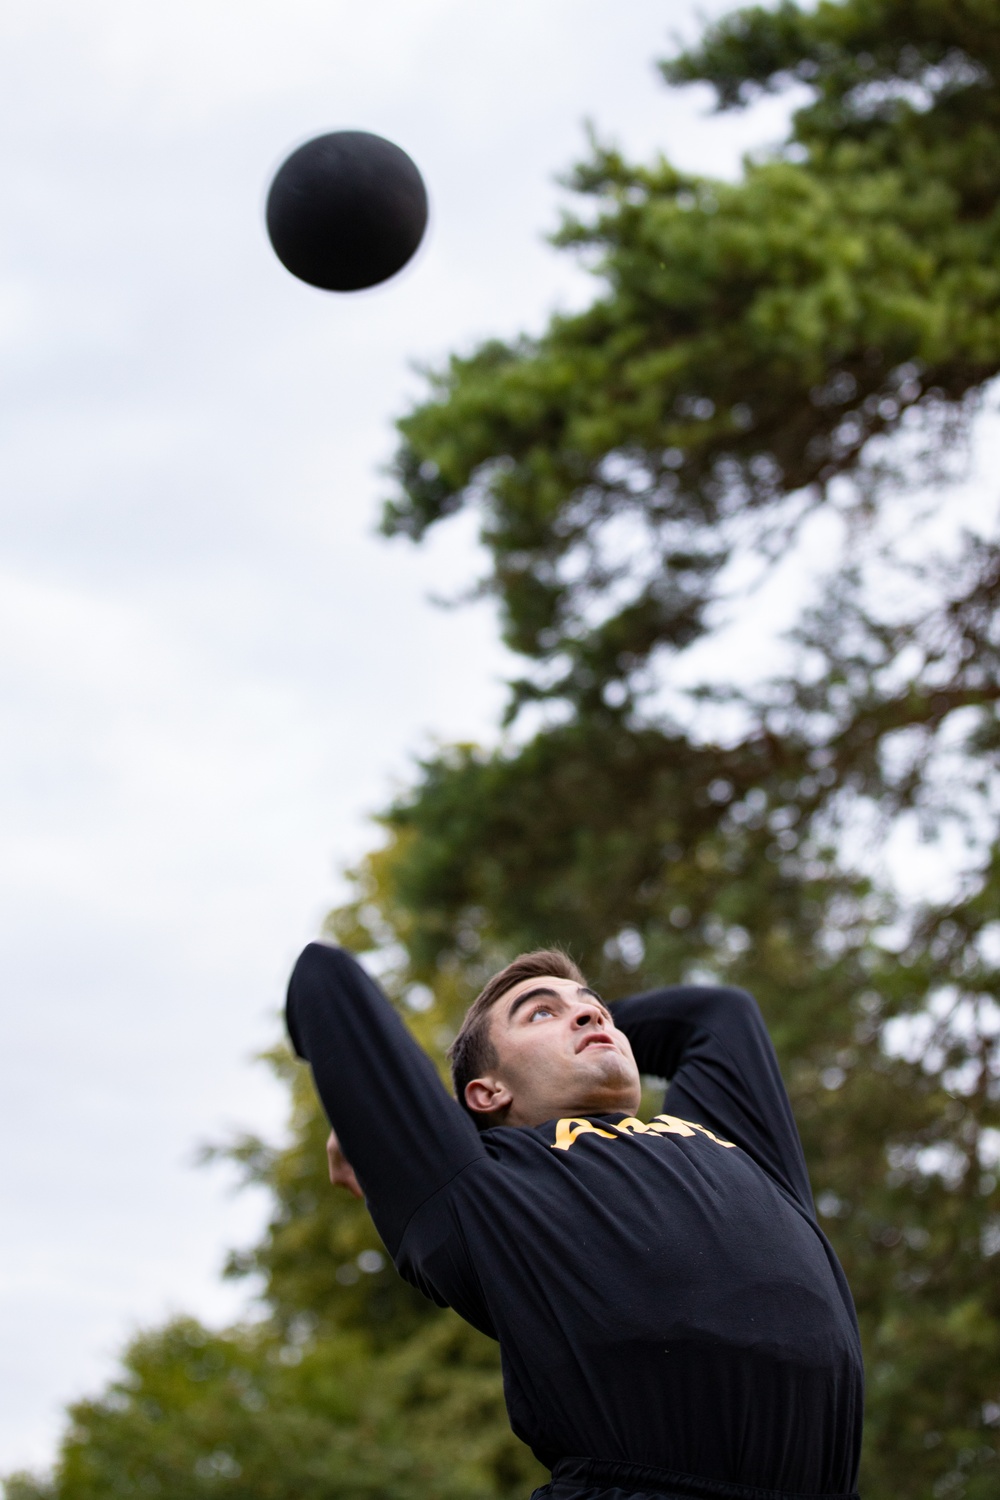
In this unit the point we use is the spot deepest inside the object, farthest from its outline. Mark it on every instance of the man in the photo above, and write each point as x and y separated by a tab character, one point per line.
671	1318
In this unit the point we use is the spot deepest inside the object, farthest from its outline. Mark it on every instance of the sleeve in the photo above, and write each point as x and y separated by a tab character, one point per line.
713	1046
402	1132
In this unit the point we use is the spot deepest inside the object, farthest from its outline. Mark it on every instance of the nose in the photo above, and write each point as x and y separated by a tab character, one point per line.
588	1016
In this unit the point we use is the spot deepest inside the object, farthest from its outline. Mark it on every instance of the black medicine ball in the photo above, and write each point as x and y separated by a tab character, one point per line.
346	211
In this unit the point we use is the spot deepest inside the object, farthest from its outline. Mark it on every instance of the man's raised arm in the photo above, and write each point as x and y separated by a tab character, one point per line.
398	1127
711	1042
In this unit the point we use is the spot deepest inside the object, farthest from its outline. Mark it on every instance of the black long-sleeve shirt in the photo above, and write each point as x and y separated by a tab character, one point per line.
662	1293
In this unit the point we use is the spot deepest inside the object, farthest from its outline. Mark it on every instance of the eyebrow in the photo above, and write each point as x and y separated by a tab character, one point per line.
544	989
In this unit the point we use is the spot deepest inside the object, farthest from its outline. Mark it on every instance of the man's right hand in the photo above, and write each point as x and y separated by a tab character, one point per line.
341	1171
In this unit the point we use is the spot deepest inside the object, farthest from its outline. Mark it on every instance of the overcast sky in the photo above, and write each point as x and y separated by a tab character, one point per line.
211	671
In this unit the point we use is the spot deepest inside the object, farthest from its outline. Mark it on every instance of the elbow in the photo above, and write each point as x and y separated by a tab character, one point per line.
317	967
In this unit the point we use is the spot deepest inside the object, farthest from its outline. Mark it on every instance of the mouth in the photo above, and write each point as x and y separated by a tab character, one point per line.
595	1039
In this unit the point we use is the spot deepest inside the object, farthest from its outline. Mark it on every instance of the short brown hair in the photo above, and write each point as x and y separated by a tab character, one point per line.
472	1052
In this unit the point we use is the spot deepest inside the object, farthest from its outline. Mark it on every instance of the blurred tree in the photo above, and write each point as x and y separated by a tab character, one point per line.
351	1385
813	337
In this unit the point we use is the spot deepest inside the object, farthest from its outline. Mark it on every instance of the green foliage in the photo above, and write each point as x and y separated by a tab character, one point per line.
752	338
255	1417
803	337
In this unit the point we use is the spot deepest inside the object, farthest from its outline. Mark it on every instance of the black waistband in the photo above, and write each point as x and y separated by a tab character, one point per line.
575	1475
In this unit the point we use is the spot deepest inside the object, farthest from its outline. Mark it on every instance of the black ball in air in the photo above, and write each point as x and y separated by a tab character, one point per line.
346	211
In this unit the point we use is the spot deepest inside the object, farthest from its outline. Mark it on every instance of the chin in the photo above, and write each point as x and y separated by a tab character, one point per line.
612	1077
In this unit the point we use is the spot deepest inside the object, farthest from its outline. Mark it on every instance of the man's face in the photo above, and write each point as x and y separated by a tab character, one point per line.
559	1053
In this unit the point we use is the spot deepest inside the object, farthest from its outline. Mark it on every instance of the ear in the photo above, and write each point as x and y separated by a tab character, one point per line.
488	1096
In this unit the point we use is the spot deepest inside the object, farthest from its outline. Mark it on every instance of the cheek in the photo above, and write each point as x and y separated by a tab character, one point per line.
625	1048
535	1047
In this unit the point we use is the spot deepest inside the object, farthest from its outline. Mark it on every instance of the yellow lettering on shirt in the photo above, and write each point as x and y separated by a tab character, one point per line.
568	1130
729	1145
670	1125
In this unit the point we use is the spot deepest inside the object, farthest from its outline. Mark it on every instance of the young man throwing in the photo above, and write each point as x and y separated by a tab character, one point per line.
672	1321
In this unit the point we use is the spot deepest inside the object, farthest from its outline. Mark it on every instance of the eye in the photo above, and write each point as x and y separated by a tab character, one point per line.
540	1010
